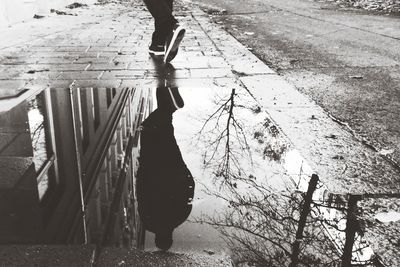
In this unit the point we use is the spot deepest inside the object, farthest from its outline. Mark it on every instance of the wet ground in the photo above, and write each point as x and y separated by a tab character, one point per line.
346	60
245	166
271	167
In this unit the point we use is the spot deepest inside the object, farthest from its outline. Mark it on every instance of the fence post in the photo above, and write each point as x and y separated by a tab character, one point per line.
351	228
303	218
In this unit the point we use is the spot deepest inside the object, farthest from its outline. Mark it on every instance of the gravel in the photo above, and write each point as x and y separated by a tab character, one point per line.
386	6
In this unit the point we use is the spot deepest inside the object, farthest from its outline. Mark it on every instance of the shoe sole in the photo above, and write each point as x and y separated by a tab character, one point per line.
175	41
172	55
176	99
156	53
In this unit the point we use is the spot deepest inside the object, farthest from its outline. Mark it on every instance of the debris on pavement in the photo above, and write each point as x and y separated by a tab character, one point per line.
76	5
387	6
209	252
385	152
59	12
331	136
36	16
338	157
34	71
213	11
249	33
357	77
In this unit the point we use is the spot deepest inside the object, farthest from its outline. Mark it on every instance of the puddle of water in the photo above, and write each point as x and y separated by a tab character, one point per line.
260	154
246	171
28	118
248	175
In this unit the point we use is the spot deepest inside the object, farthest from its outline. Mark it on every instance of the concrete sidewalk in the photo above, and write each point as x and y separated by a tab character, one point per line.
106	46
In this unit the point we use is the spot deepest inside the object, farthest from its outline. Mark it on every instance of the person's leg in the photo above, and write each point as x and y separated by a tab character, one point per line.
161	10
170	3
167	30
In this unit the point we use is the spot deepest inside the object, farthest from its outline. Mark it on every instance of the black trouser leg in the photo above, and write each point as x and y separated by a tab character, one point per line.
161	10
170	3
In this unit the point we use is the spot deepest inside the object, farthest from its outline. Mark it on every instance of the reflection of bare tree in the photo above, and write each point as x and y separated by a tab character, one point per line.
37	122
36	135
228	136
264	226
269	228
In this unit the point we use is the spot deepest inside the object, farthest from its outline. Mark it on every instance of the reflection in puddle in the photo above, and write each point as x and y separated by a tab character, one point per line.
386	217
264	180
69	158
165	186
40	140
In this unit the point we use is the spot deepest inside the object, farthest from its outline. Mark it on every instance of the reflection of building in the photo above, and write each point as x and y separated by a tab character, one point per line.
67	165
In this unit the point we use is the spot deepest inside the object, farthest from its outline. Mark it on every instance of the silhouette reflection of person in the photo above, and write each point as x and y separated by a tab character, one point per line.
165	186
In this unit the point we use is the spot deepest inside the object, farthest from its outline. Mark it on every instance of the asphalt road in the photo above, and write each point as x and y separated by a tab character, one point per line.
346	60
